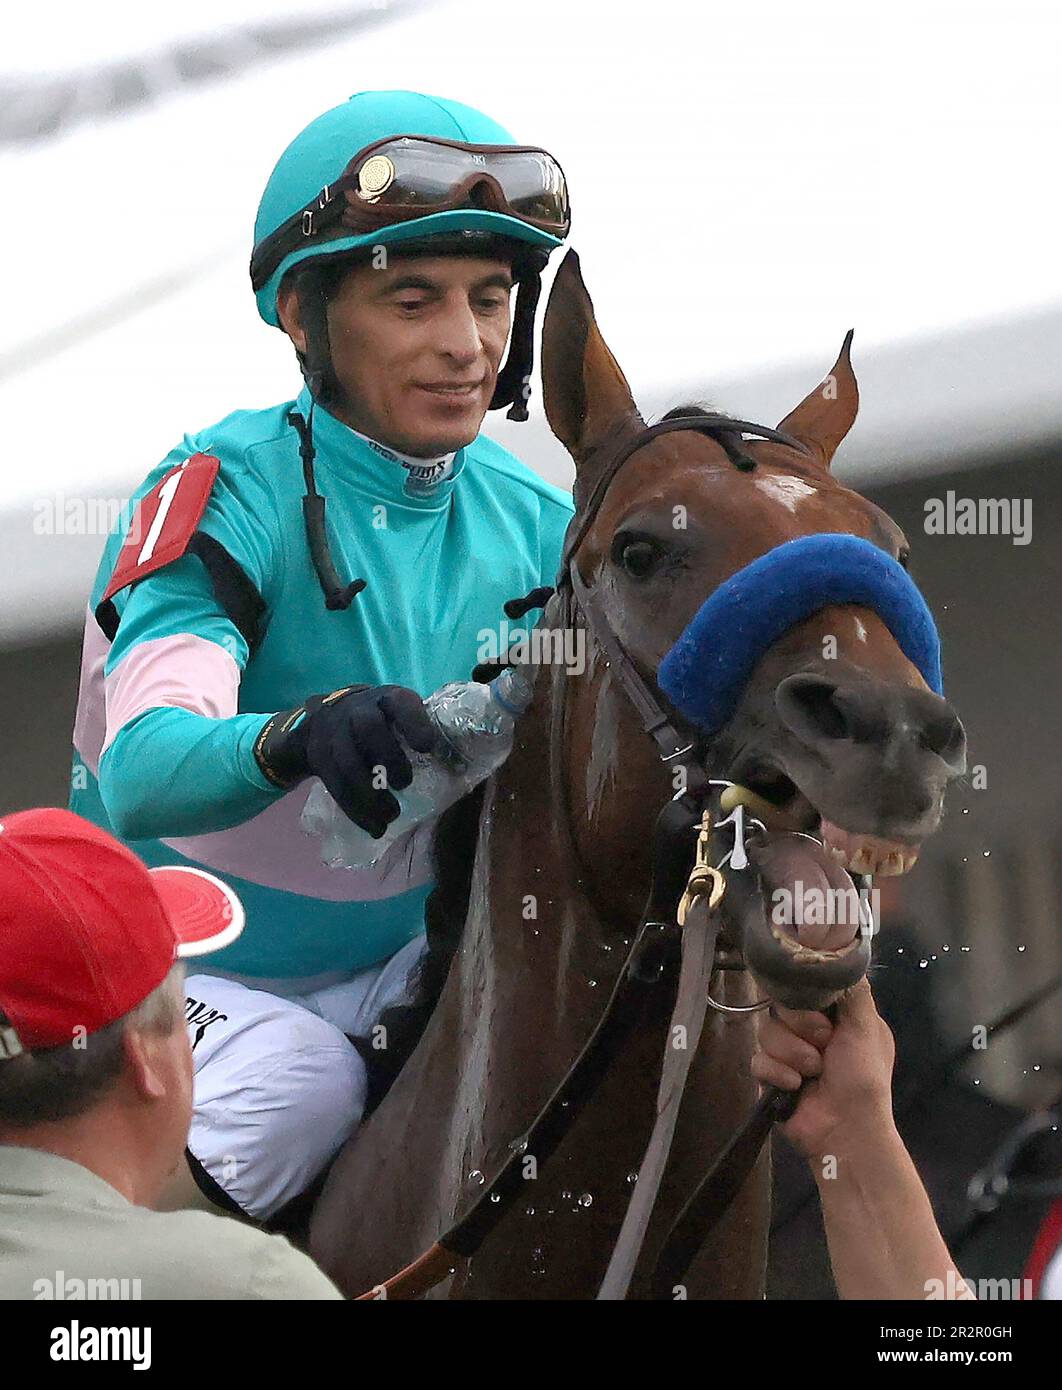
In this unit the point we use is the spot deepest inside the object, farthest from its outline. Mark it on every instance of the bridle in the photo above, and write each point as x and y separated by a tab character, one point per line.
680	748
674	749
682	751
680	925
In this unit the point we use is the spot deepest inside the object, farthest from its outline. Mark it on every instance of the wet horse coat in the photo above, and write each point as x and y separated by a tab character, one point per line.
561	864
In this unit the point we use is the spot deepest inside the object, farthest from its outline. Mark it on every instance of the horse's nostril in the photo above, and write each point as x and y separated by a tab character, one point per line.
943	734
817	709
810	707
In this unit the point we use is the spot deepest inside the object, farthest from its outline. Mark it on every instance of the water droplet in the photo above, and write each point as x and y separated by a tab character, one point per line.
592	984
964	948
494	1197
1020	949
477	1177
585	1200
945	948
529	1211
922	964
566	1196
519	1146
632	1177
966	810
985	853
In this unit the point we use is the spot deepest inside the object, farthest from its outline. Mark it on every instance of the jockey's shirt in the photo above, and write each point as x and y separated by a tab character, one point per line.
182	666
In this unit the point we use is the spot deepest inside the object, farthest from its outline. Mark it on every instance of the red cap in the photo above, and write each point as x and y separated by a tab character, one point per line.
87	931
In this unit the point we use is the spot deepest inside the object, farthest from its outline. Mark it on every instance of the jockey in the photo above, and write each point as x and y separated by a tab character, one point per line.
287	585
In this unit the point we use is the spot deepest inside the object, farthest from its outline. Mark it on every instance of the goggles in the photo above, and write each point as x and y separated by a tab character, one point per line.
411	176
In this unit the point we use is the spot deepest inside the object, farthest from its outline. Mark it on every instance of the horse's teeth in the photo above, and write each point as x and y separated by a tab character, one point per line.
860	854
867	854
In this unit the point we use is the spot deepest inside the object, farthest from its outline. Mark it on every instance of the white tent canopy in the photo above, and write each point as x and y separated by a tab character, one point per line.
811	167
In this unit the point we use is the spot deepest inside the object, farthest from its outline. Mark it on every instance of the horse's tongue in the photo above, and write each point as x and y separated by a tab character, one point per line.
809	896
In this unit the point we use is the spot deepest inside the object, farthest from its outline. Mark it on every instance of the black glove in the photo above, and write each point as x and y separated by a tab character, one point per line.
343	738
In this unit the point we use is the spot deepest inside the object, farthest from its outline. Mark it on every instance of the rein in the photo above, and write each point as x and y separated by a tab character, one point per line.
680	924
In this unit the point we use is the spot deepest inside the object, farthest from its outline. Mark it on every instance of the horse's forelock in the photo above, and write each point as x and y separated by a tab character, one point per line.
679	412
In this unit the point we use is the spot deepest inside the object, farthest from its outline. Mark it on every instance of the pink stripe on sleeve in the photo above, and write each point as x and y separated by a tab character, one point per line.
91	720
182	672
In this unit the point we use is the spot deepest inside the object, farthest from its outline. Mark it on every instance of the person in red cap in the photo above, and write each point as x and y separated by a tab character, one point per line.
96	1077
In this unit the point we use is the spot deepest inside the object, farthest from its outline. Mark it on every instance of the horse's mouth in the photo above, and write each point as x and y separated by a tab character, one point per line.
775	799
804	928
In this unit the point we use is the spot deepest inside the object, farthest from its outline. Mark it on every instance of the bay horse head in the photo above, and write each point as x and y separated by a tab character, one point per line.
767	607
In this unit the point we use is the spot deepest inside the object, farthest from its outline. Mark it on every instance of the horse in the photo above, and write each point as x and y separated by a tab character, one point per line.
838	747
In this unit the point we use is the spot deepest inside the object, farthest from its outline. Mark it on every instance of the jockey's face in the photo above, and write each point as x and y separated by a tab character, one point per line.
416	348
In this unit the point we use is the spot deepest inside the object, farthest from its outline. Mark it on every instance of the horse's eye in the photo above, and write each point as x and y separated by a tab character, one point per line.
638	556
904	556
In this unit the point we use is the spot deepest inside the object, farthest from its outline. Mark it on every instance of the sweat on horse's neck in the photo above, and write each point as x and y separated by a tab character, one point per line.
528	983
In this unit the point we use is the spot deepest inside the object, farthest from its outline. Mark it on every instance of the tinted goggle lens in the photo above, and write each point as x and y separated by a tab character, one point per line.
416	176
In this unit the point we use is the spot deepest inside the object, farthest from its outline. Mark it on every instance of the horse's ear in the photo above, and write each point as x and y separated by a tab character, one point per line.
823	418
583	389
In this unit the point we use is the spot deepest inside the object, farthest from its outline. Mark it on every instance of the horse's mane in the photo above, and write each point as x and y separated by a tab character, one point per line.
731	440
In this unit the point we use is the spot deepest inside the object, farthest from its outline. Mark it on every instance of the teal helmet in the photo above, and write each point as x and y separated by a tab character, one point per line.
318	156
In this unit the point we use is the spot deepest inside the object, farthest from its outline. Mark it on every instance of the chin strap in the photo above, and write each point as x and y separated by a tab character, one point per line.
513	387
316	361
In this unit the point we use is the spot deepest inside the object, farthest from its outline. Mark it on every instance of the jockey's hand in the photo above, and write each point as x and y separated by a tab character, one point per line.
350	739
851	1063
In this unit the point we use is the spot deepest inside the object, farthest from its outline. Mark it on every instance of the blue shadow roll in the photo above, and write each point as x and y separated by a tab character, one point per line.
709	666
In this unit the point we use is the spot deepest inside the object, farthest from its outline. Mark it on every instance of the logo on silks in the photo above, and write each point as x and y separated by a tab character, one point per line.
422	475
705	672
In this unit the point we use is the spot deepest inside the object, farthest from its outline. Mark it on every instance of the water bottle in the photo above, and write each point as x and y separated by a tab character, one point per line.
475	726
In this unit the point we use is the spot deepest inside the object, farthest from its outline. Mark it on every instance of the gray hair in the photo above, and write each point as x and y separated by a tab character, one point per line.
59	1083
